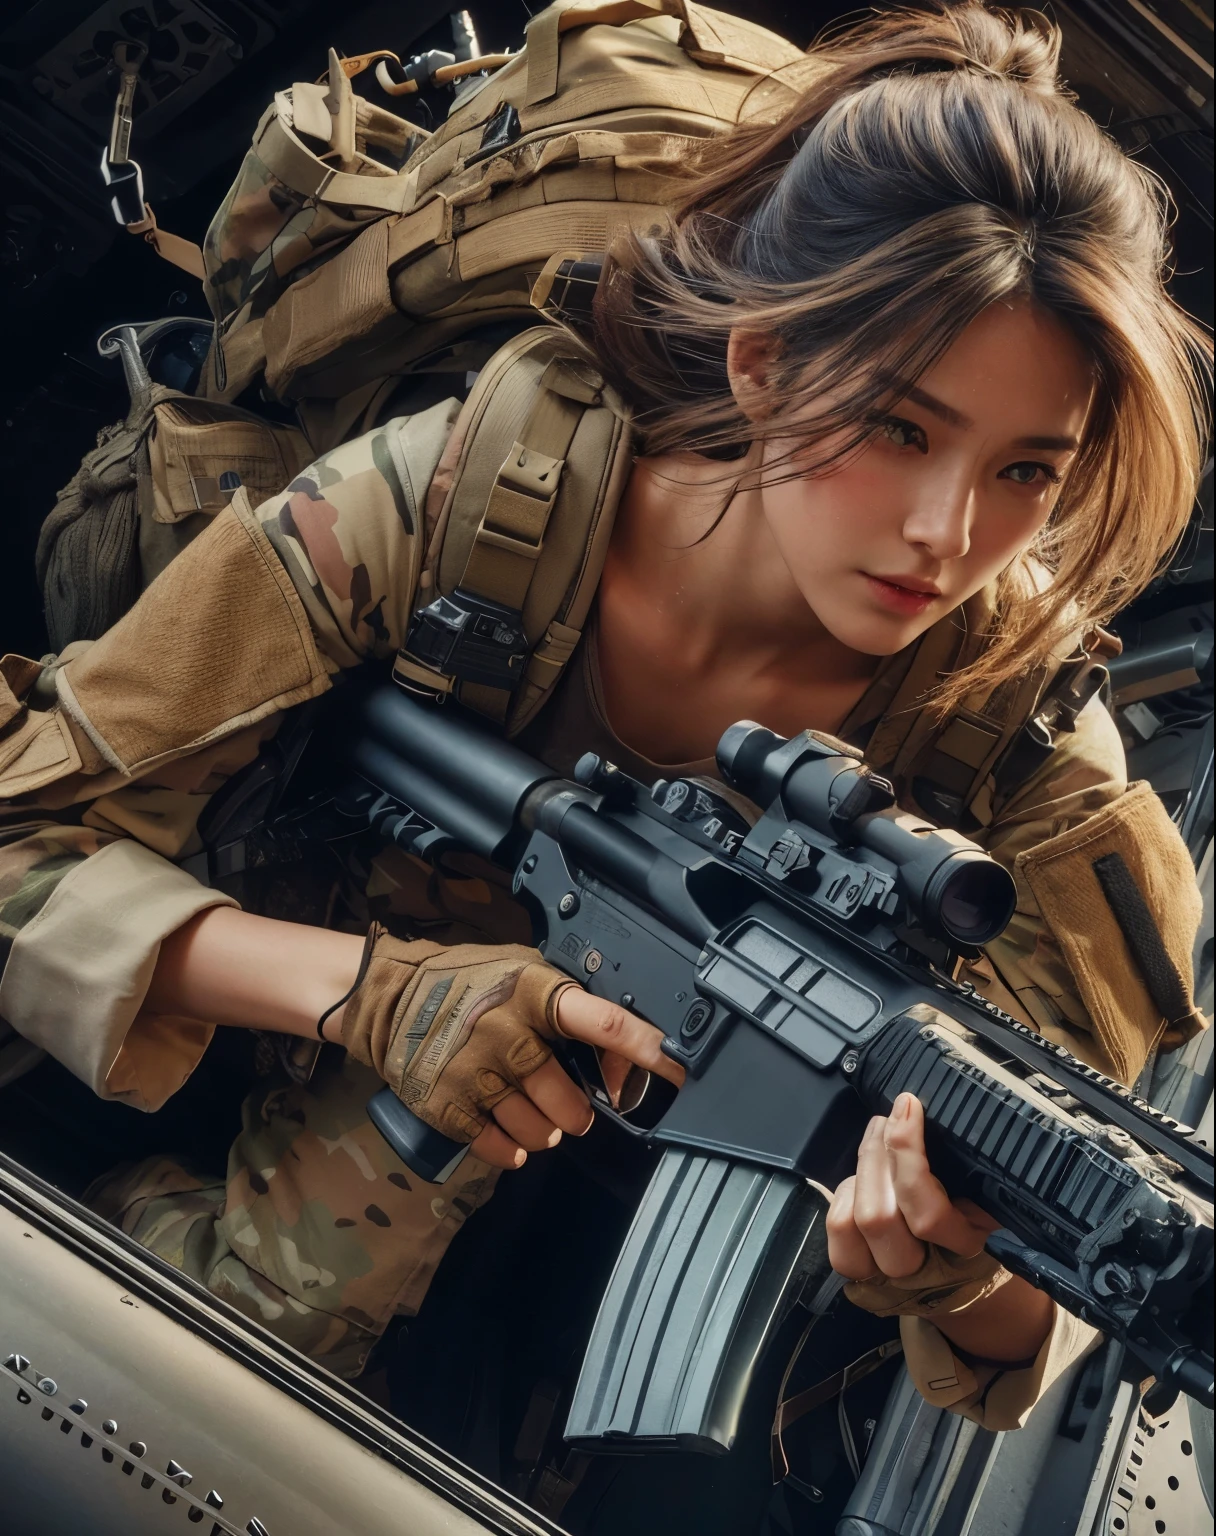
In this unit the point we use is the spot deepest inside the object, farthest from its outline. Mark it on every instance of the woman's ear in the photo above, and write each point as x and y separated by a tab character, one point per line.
749	359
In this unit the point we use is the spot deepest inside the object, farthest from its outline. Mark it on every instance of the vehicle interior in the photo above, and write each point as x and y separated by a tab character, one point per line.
487	1368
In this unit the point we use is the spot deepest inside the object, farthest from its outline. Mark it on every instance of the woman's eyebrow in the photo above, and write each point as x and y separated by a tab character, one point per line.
938	408
956	418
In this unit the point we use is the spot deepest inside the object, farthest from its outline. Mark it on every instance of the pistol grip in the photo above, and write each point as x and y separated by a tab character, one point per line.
423	1150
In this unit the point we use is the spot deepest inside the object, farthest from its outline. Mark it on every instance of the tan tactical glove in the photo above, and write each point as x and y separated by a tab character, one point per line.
944	1283
453	1029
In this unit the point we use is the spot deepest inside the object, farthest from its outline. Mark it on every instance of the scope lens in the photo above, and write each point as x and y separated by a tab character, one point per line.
975	899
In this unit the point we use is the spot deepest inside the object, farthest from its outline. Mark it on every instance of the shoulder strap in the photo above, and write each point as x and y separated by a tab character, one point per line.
543	451
956	767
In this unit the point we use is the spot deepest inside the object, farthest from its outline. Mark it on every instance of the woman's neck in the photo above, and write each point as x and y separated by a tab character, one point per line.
702	624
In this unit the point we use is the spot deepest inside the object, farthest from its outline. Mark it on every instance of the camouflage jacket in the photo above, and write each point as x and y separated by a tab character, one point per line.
109	755
105	788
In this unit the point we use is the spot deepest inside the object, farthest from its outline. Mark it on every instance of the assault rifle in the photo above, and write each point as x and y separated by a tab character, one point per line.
799	970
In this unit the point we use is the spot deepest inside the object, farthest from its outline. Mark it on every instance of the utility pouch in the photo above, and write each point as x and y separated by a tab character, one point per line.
150	487
1119	895
200	451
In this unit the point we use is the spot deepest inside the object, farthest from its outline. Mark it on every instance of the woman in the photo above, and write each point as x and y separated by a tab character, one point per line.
907	385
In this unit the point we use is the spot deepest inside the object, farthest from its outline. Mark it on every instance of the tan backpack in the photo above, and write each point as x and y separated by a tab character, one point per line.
370	274
332	277
360	268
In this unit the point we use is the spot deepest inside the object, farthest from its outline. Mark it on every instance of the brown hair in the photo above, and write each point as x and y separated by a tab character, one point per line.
931	164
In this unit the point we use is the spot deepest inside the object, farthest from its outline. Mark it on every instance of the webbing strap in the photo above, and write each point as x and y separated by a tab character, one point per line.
281	152
169	247
510	536
544	30
542	51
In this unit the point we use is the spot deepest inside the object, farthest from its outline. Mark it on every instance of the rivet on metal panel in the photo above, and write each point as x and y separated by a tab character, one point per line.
48	1386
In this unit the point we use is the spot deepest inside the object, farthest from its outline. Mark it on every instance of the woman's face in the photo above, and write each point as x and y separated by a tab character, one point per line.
963	473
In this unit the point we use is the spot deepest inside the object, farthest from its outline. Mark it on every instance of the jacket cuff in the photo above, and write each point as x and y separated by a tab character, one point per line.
78	972
995	1397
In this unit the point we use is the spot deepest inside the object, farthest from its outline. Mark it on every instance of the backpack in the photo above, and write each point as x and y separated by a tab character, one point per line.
361	273
360	268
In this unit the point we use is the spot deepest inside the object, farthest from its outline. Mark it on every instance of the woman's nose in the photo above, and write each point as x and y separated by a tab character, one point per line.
941	519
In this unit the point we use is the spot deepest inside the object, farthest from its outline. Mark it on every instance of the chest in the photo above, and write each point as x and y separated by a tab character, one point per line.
670	697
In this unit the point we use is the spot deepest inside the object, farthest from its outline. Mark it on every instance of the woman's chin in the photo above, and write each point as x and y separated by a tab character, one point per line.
875	636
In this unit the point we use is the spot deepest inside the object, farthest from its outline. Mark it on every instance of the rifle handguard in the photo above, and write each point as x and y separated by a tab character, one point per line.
944	1283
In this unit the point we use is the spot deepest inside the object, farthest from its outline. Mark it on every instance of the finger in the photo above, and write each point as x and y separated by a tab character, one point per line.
613	1028
848	1252
495	1147
525	1124
563	1103
876	1210
927	1209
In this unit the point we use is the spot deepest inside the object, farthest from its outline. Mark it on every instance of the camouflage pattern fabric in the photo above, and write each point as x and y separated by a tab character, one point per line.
262	234
318	1232
35	858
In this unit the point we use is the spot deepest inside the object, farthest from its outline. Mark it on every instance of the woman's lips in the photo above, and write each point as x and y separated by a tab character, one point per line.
899	599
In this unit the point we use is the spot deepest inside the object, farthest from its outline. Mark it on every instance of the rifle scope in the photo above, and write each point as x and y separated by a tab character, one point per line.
957	891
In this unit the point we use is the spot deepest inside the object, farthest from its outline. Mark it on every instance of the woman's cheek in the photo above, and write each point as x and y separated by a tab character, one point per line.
837	524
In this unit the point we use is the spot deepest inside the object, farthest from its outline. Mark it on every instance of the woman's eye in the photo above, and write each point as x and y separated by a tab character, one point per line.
1027	473
904	434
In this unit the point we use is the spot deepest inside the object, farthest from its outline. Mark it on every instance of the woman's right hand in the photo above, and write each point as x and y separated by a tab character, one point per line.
548	1103
461	1035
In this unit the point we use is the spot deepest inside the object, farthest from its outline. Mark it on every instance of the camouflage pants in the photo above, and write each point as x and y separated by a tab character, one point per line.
318	1232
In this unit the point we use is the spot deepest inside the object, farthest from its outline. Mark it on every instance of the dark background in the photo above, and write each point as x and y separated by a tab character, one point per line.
67	272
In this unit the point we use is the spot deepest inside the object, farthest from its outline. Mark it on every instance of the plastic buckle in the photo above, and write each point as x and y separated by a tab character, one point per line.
469	638
1073	690
531	473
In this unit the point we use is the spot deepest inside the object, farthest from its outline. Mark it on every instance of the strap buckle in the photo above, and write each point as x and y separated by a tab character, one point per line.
1077	681
530	473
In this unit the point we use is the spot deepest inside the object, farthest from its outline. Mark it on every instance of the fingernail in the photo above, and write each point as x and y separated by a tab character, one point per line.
902	1107
520	1158
554	1139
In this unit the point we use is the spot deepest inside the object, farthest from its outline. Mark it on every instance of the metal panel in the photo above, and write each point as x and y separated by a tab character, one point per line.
124	1403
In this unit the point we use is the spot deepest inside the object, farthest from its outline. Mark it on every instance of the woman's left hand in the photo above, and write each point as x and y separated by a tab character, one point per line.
881	1218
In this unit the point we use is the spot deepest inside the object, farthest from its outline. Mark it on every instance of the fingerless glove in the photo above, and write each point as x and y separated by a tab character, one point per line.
453	1030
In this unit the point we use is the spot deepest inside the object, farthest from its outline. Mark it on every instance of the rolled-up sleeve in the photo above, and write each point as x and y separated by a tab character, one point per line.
83	924
995	1396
